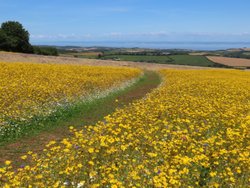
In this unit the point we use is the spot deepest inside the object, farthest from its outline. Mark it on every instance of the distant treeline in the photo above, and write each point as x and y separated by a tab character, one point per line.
148	53
14	38
237	54
45	50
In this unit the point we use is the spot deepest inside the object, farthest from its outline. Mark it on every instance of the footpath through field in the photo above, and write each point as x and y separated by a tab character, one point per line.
89	114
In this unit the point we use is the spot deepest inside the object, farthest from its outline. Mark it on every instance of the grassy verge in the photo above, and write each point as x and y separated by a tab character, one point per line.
86	113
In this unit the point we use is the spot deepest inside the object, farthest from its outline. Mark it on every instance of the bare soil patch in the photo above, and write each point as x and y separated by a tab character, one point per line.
198	53
233	62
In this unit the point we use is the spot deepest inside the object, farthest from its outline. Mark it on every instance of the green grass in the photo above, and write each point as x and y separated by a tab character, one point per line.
79	114
140	58
171	59
191	60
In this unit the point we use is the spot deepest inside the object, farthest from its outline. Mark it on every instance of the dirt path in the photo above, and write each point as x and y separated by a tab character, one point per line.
90	115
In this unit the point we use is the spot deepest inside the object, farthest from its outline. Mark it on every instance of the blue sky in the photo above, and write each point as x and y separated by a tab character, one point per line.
131	20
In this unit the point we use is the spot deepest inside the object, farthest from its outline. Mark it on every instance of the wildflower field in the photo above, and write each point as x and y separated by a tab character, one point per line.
192	131
31	92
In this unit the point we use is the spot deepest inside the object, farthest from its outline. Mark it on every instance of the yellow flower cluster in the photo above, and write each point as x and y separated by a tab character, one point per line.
192	131
28	90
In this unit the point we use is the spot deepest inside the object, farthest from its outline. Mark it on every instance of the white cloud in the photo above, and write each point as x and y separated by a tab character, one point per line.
146	36
60	36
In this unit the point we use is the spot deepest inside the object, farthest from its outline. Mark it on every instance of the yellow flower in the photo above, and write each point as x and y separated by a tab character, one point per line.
80	165
212	174
152	154
24	157
91	150
7	162
191	130
216	185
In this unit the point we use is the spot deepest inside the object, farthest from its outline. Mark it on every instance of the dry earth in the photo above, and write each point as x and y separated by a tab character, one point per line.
234	62
198	53
19	57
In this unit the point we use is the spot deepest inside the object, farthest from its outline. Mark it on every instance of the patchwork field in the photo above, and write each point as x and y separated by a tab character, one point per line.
192	131
19	57
194	60
233	62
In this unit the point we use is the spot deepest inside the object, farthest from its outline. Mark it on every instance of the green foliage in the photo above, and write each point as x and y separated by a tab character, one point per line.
3	40
13	37
237	54
44	50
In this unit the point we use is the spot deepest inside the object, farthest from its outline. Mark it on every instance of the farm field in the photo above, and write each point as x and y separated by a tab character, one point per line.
140	58
85	113
233	62
124	94
191	131
20	57
194	60
32	92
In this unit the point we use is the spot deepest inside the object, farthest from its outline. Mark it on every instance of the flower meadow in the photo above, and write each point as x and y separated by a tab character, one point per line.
192	131
30	91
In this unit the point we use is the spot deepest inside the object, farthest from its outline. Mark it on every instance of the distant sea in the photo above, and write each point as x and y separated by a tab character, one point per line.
155	45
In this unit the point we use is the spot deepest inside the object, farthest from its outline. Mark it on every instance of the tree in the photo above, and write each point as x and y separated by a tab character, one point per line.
13	37
3	40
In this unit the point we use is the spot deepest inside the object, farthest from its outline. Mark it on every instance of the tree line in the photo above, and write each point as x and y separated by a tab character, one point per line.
15	38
